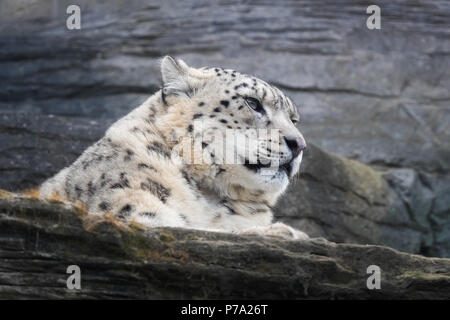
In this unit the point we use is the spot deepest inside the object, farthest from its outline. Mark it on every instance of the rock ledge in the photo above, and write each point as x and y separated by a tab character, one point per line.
40	239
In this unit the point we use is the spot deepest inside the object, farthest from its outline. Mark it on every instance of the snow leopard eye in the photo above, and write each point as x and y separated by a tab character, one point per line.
255	105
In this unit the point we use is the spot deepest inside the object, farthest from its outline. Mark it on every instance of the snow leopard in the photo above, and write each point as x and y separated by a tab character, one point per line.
163	164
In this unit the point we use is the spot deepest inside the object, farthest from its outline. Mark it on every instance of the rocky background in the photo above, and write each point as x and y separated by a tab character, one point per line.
374	103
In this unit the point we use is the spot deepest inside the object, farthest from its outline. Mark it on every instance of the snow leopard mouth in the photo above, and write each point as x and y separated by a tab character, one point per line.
255	166
286	167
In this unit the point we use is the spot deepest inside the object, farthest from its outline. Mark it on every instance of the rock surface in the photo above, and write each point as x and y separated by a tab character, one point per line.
377	96
346	201
39	240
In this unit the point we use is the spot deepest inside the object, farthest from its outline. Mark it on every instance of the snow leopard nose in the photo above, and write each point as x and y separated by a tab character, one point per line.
295	144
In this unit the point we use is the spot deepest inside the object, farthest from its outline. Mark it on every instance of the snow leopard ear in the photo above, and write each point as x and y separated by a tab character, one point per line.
176	78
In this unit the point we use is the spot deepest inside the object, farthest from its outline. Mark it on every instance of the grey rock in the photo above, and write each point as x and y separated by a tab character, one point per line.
346	201
439	217
33	147
39	240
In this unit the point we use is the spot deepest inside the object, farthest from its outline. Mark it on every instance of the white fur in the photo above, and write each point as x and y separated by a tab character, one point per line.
138	170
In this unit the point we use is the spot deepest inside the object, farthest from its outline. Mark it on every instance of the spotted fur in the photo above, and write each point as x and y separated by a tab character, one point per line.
142	169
